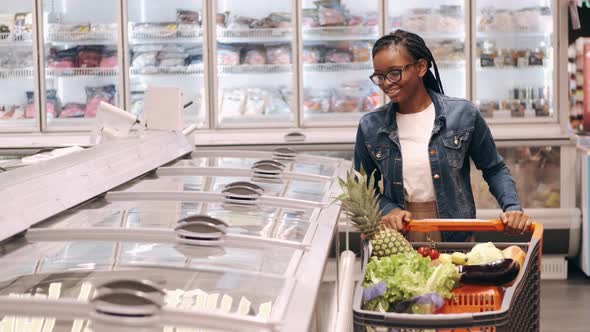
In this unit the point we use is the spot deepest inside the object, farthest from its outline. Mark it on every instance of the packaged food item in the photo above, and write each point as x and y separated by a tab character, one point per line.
317	100
146	59
63	59
228	55
232	102
30	111
109	58
338	56
278	101
154	30
7	115
90	56
94	95
73	110
221	19
273	21
23	23
488	55
310	18
6	25
312	54
147	48
347	99
278	55
103	28
184	16
536	57
361	51
241	22
254	55
355	20
19	113
256	101
332	14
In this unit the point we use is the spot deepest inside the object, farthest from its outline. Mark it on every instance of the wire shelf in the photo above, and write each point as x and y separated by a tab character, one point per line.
168	71
253	35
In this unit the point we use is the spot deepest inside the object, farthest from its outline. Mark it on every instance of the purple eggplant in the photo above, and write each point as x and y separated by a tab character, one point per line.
496	273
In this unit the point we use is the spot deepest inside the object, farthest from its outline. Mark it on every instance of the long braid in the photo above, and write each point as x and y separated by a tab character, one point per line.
417	48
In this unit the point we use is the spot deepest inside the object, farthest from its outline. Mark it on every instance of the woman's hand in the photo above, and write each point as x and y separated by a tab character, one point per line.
396	219
516	221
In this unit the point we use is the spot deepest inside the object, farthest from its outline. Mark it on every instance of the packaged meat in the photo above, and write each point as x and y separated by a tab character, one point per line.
273	21
278	55
312	54
7	115
331	14
221	19
109	59
254	55
232	102
63	59
73	110
355	20
317	100
94	95
371	19
240	22
23	23
310	18
19	113
89	56
51	105
228	55
30	111
338	56
361	51
143	60
347	99
184	16
256	100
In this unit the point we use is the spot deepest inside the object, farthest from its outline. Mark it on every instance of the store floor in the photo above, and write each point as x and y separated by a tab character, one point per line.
565	304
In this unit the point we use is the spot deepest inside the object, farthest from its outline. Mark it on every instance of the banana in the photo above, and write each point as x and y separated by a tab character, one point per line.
459	258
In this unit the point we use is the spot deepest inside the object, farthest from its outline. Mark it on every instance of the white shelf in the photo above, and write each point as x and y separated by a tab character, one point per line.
451	64
253	35
80	38
336	67
167	71
443	36
10	39
512	69
81	72
255	69
341	33
514	34
27	73
159	35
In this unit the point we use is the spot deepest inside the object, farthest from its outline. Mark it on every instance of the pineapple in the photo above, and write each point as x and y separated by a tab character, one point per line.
361	206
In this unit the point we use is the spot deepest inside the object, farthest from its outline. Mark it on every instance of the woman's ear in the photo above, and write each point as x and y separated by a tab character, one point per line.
422	67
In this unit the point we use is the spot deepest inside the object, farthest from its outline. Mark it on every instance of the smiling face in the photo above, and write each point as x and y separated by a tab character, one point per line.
396	57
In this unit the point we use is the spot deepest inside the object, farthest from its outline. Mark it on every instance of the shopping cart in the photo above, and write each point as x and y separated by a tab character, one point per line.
476	308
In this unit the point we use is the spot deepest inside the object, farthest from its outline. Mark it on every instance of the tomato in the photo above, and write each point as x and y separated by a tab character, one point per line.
424	251
434	254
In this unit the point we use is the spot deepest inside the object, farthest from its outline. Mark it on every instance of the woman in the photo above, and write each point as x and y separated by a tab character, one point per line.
420	144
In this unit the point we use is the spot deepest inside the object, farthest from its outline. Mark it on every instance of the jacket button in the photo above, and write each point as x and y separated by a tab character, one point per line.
432	152
436	176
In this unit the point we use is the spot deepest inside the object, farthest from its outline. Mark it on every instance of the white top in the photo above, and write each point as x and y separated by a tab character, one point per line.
415	131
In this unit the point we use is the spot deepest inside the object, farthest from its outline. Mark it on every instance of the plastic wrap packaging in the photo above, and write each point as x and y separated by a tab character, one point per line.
338	56
103	28
155	30
279	101
109	58
371	19
16	59
51	105
240	22
331	14
525	19
361	51
348	99
278	55
30	111
90	56
63	59
73	110
221	19
19	113
8	113
310	18
312	54
254	55
172	56
232	102
6	25
94	95
184	16
145	60
228	55
23	23
256	101
273	21
315	100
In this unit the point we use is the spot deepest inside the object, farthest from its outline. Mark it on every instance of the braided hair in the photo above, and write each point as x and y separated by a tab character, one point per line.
417	48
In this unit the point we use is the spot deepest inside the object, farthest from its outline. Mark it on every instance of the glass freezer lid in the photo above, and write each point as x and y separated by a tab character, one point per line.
258	221
303	190
90	255
226	292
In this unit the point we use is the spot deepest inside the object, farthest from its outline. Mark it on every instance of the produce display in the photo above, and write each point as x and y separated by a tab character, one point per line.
403	280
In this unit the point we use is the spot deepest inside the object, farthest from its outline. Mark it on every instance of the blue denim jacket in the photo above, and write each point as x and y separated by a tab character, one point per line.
460	132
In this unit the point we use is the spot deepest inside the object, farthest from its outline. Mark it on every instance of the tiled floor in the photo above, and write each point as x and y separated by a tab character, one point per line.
565	305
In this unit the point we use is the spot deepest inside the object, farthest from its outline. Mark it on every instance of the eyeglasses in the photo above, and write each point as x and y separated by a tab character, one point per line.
393	76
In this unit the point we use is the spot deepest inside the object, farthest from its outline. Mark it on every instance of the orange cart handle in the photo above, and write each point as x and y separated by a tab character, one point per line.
465	225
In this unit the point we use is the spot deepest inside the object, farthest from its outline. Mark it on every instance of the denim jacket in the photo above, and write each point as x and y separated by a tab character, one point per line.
460	132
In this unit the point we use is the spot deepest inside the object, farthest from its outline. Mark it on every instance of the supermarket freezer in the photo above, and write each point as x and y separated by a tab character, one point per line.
227	259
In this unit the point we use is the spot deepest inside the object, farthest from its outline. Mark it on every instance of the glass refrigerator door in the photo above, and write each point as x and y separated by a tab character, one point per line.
513	66
81	60
442	26
18	109
337	42
166	49
254	59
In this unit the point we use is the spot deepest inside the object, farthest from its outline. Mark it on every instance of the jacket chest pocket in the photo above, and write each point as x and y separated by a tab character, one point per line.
456	145
384	158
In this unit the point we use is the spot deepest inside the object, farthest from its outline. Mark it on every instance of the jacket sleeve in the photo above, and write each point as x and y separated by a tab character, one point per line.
486	158
363	157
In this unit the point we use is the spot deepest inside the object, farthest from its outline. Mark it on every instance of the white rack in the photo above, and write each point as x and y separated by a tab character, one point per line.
159	35
253	35
27	73
337	67
436	36
545	67
255	69
341	33
102	37
80	72
451	64
167	71
11	39
514	34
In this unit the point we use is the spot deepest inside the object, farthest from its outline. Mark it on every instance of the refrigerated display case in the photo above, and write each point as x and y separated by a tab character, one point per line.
165	47
337	38
254	63
81	61
442	25
18	78
514	64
